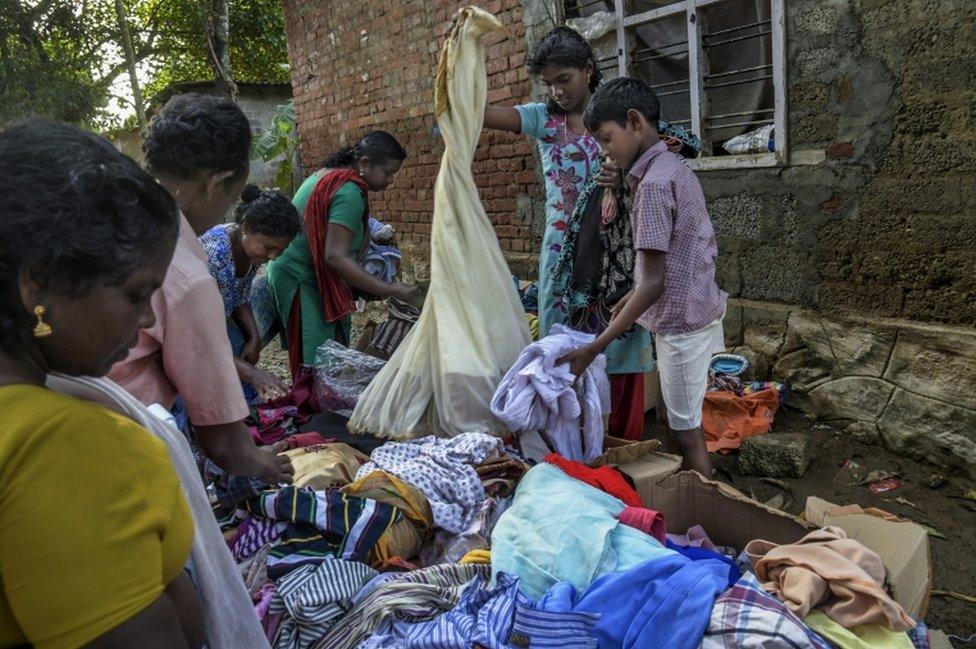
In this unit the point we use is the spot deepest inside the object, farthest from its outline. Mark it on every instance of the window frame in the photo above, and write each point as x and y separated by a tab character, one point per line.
697	73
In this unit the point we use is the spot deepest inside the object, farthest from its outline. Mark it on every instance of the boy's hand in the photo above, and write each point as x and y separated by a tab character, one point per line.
579	360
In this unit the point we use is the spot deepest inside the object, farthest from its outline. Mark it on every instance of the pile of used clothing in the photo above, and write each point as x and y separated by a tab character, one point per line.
460	542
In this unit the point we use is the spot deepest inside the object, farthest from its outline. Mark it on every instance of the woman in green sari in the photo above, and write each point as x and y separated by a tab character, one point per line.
312	282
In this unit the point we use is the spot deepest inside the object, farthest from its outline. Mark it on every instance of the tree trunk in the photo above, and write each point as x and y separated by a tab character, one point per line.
130	59
218	34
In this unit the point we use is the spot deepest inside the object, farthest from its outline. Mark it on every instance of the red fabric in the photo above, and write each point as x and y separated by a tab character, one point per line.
603	478
301	440
337	299
627	406
727	418
646	520
293	334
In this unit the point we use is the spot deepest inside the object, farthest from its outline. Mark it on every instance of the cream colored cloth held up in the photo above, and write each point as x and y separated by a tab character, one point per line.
472	328
829	571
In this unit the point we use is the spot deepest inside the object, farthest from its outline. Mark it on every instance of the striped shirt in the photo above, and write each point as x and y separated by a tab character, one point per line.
669	215
322	524
496	618
746	616
312	598
416	596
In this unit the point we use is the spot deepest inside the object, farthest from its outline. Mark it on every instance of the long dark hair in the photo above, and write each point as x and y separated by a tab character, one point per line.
76	214
377	146
564	46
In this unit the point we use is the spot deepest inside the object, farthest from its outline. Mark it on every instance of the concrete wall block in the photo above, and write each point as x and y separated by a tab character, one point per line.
738	216
851	397
859	348
930	430
777	273
937	362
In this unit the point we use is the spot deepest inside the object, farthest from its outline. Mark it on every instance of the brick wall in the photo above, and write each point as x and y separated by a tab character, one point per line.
358	66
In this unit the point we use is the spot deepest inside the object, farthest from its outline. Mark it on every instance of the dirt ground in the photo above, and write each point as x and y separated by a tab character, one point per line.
941	508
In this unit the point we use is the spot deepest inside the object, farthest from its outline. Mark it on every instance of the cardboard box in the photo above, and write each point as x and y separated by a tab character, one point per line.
730	517
902	545
623	451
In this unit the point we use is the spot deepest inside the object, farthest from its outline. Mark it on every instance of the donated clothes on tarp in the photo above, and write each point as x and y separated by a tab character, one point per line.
325	465
420	594
472	326
538	394
829	571
322	524
312	598
441	469
559	529
227	612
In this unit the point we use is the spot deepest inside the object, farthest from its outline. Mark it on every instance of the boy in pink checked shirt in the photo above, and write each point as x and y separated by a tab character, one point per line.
675	294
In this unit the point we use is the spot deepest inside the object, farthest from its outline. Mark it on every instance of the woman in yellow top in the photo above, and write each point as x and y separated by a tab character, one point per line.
94	528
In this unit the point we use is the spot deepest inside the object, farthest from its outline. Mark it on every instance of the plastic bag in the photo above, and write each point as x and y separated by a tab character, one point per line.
472	326
593	26
341	375
757	141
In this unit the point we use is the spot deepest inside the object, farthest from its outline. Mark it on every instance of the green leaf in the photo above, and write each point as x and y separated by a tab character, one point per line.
285	174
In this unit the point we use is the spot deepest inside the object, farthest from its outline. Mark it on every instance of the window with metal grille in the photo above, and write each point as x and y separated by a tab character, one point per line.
718	67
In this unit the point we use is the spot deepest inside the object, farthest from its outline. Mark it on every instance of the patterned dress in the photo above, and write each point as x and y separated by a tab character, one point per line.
568	159
234	290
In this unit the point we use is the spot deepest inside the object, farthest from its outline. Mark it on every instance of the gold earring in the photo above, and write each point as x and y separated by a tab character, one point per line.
41	329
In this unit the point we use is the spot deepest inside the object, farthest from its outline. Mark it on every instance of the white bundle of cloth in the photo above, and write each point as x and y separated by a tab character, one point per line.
538	394
472	327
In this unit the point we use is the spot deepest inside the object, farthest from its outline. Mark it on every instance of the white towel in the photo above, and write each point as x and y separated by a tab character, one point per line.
537	394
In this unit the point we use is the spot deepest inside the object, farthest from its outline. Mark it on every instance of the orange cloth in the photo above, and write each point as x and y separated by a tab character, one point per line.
727	418
829	571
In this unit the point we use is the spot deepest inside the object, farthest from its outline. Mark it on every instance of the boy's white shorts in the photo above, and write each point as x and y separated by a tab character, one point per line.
682	364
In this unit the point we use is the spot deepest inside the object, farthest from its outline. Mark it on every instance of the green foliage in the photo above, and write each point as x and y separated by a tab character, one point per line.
257	42
281	139
50	59
60	58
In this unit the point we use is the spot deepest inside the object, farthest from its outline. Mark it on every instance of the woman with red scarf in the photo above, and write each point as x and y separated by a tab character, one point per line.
312	282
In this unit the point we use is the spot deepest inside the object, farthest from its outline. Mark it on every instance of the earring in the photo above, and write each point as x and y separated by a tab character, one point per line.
41	329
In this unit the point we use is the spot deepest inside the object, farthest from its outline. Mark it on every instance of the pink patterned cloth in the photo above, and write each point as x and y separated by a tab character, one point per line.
669	215
646	520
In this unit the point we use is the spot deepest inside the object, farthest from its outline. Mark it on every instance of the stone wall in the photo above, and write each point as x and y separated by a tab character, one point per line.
875	241
887	90
901	383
